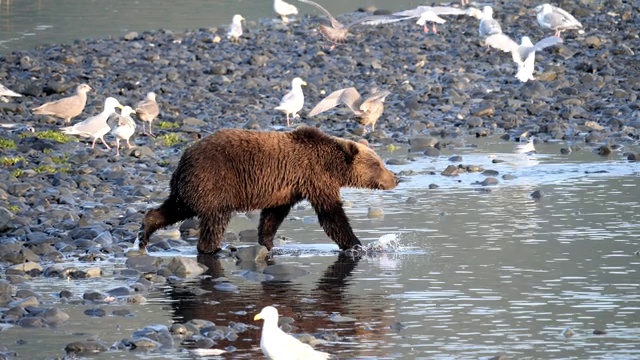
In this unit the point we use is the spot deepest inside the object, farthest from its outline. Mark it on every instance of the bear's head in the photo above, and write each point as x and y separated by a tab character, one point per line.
367	169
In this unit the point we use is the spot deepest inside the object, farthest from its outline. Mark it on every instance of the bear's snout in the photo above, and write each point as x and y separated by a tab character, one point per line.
389	181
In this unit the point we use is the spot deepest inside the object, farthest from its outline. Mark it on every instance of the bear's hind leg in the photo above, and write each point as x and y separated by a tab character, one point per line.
212	228
335	223
270	221
169	213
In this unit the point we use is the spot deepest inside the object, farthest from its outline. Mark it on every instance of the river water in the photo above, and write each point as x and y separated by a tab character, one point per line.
25	24
474	273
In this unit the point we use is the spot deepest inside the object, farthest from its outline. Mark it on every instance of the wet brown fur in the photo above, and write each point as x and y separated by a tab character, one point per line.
243	170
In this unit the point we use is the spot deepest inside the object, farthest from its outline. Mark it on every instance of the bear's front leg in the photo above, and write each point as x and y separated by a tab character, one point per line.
270	221
212	228
336	224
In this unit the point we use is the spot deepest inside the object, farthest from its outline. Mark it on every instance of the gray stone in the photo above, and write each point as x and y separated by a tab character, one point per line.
185	267
86	347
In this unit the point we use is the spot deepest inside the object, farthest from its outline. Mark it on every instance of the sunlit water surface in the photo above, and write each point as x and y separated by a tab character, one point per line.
475	273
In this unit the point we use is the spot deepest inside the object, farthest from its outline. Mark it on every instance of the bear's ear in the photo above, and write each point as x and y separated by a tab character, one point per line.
351	148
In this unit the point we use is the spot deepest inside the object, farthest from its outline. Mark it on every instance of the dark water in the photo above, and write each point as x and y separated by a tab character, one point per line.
474	274
27	23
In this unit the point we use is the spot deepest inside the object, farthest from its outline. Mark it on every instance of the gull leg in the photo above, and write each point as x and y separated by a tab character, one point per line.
287	119
117	147
425	28
435	31
105	144
93	144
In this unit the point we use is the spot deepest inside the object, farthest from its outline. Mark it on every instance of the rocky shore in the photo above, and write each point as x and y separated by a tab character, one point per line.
62	203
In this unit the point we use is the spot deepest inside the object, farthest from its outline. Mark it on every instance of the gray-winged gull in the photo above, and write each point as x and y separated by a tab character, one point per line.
147	110
367	110
524	54
96	126
488	25
66	108
278	345
235	29
293	101
284	9
424	14
125	128
552	17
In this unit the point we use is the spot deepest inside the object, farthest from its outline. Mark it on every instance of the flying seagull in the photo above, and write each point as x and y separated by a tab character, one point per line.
524	54
337	32
552	17
293	101
422	13
367	110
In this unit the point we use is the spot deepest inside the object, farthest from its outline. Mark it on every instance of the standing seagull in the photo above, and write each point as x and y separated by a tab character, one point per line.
66	108
367	110
95	127
6	92
125	129
489	25
147	110
422	13
336	33
235	29
552	17
524	54
284	9
293	101
278	345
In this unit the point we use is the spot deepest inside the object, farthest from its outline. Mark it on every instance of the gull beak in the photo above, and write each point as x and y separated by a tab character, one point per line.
120	106
257	317
304	83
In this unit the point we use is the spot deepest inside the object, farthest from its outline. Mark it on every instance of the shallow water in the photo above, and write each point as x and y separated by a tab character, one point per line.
25	24
476	274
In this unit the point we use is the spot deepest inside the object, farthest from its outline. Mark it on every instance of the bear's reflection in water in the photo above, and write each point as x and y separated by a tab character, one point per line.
309	307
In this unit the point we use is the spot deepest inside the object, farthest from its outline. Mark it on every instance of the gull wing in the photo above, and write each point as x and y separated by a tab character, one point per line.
334	23
506	44
561	18
374	98
385	19
349	96
546	42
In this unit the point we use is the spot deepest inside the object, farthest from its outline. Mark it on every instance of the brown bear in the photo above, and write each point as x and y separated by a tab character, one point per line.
243	170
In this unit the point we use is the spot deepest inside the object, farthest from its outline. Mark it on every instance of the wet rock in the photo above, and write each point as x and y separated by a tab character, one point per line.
490	181
97	312
490	173
185	267
633	157
421	143
538	194
599	332
6	290
85	347
251	254
375	213
282	272
604	150
451	170
54	316
432	152
565	151
433	186
225	287
144	263
32	322
456	158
